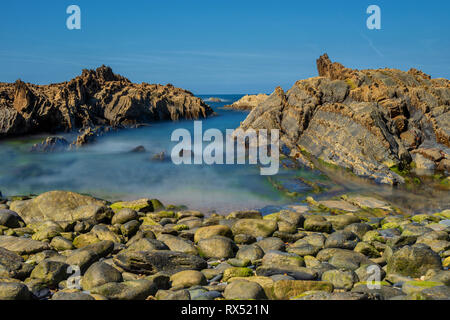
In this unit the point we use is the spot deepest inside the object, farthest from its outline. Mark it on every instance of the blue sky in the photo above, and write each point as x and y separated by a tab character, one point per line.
219	46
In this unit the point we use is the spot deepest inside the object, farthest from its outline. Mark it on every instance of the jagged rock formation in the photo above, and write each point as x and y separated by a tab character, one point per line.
97	97
367	121
51	144
248	102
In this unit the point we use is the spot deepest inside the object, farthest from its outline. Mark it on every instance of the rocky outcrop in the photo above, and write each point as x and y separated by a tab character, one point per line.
89	135
248	102
96	98
367	121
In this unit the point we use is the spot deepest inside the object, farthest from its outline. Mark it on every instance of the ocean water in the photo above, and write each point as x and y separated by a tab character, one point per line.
107	169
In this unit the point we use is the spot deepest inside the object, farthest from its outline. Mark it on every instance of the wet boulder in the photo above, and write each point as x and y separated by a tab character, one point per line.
151	262
413	261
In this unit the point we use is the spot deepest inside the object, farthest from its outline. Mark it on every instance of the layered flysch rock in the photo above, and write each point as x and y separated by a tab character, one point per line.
366	121
97	97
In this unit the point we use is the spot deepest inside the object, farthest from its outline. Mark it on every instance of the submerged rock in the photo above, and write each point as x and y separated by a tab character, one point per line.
51	144
138	149
159	156
88	135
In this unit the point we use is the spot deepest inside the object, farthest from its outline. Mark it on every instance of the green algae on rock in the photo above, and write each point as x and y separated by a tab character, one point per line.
294	253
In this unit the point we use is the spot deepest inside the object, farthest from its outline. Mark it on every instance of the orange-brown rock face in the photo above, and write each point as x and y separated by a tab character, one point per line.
97	97
248	102
366	121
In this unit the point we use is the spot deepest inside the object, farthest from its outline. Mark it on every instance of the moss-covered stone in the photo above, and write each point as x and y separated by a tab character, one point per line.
47	234
239	262
373	235
217	247
317	224
413	261
287	289
99	274
372	283
272	216
157	205
282	260
305	294
311	261
432	293
14	291
9	232
340	279
211	231
19	198
367	249
236	272
166	214
412	287
266	283
61	244
147	221
123	216
419	218
180	227
403	171
446	262
142	205
50	272
391	225
85	239
255	227
176	207
244	290
187	279
245	214
444	214
127	290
